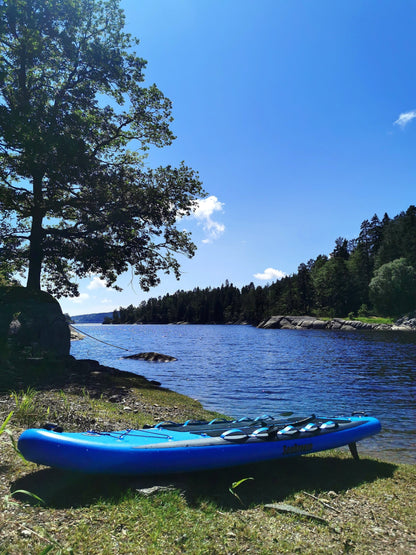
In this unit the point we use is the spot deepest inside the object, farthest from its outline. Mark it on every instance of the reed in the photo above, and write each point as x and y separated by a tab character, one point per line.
26	411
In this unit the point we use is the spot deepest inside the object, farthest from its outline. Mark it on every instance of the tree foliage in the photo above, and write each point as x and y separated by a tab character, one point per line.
75	125
350	280
393	288
6	275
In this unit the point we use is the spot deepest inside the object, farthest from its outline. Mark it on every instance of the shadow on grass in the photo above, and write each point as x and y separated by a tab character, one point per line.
273	482
45	374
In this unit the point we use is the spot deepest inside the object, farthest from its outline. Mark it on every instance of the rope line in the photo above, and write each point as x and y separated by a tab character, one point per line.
100	340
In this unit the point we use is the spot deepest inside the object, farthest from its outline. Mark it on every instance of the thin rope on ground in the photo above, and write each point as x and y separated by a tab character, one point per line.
100	340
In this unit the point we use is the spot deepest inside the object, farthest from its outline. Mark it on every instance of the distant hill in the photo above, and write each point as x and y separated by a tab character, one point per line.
96	318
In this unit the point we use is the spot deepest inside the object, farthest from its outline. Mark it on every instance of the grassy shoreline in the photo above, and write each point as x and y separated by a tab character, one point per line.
364	507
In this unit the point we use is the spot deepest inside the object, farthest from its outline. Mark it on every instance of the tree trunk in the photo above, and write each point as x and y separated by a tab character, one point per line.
36	236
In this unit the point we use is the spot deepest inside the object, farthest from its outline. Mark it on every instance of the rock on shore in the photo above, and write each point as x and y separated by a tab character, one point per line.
310	322
75	334
32	322
152	357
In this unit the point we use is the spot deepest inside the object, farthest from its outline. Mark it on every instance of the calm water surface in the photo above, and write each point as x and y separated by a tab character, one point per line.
240	370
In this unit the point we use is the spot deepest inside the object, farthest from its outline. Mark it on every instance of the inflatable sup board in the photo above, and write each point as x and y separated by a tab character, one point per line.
169	447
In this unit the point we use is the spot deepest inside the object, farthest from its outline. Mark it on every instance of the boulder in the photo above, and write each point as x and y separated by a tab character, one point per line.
348	327
272	323
286	324
305	323
75	334
319	324
293	323
32	324
152	357
406	323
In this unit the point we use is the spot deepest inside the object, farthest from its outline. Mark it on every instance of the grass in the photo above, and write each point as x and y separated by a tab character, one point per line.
365	319
26	411
366	506
374	320
371	509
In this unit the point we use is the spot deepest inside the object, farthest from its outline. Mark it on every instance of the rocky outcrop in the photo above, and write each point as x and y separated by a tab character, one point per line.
293	322
32	324
75	334
310	322
406	323
152	357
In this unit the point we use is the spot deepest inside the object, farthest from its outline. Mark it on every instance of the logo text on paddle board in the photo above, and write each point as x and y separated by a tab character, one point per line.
297	449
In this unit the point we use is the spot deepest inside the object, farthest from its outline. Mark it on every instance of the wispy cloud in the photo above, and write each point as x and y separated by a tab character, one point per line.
203	214
405	118
96	283
270	274
80	299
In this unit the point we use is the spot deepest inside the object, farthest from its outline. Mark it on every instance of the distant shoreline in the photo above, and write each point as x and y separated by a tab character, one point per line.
283	322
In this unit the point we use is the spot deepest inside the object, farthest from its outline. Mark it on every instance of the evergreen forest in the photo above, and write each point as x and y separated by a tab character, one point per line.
372	274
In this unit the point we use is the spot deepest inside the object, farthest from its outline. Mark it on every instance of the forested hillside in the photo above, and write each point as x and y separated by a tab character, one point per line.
374	273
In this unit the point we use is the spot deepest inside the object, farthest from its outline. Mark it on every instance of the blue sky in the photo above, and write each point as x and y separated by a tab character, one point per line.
300	117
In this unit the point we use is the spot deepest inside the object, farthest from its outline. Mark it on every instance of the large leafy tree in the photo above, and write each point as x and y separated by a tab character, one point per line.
75	123
393	288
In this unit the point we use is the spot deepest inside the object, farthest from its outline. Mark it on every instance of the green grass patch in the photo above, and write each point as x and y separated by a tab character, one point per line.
365	507
365	319
374	320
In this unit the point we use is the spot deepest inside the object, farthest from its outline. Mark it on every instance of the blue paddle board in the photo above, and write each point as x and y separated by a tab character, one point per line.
169	447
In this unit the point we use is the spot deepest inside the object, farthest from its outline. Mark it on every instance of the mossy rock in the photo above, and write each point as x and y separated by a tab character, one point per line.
32	324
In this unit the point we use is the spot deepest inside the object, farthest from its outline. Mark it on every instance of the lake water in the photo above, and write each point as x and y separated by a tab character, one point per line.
241	370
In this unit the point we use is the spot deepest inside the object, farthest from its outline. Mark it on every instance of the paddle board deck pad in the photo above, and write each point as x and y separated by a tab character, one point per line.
169	447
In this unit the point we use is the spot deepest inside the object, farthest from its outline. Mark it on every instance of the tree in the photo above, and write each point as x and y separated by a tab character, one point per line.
393	288
360	274
399	239
341	249
332	283
305	289
75	198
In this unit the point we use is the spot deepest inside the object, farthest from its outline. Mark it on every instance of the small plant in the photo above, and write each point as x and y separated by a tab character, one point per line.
63	395
3	427
5	430
66	403
8	498
363	310
26	411
237	484
87	397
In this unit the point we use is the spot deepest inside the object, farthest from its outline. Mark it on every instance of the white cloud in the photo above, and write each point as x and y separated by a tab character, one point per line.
270	274
97	283
203	212
405	118
207	206
80	299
